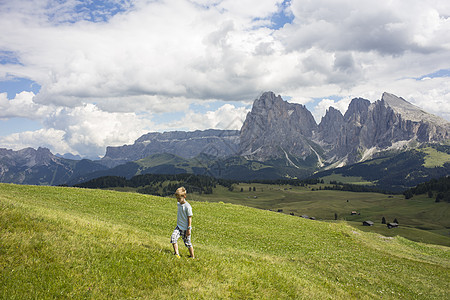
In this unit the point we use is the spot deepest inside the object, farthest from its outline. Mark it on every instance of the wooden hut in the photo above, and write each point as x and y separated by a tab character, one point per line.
392	225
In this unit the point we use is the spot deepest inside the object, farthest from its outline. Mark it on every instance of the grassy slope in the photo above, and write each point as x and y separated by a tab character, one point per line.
397	171
160	159
66	242
435	158
420	212
347	179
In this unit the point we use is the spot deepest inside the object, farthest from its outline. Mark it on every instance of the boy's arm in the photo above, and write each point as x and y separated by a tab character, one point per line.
189	225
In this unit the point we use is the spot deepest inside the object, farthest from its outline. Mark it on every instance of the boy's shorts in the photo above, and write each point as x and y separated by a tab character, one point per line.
176	235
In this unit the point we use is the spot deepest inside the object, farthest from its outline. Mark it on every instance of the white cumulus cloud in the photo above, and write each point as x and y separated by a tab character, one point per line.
227	117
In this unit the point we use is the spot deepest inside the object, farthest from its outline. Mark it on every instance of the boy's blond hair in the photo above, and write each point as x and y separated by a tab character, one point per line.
181	192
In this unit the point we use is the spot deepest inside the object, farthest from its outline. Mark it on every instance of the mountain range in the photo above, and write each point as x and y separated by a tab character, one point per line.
278	139
275	129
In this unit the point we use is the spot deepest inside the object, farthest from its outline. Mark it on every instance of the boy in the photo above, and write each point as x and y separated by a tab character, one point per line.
184	223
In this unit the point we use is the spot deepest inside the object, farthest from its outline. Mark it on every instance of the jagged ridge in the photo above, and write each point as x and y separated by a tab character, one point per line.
284	136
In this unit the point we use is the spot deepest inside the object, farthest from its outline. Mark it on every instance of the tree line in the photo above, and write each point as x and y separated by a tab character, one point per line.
166	184
293	182
153	183
339	186
435	188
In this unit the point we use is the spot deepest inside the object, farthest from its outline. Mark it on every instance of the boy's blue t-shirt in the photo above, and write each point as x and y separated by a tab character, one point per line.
184	211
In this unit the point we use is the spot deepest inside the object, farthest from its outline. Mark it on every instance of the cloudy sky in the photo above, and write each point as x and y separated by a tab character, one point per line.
79	75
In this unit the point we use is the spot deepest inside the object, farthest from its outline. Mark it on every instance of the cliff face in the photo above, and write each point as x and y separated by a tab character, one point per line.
285	134
389	123
330	128
41	167
218	143
275	128
27	157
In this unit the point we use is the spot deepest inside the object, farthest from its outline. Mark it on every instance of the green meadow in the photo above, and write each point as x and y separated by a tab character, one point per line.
420	218
60	243
435	158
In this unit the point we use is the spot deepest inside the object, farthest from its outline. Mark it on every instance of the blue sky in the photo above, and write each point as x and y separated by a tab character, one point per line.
16	85
16	124
438	74
78	76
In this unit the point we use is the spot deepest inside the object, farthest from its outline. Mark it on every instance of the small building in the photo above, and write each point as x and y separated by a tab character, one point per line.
367	223
392	225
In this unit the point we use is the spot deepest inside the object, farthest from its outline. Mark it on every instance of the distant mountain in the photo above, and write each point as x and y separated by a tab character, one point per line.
69	156
41	167
277	140
275	129
234	167
219	143
366	129
398	170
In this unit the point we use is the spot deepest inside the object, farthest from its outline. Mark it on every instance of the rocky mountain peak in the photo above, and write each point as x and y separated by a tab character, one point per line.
268	100
218	143
409	111
275	131
43	156
330	126
399	102
331	116
29	157
357	108
275	127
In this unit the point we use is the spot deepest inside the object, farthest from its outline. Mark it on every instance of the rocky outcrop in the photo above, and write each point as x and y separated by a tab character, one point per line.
275	128
417	123
218	143
367	128
285	135
27	157
330	128
41	167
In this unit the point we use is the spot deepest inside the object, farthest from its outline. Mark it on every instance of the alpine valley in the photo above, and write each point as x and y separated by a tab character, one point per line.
390	144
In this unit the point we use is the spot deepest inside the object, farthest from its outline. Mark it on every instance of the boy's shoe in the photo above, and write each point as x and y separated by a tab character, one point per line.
177	255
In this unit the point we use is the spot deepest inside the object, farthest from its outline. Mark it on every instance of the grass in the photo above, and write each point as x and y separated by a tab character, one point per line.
347	179
420	212
435	158
74	243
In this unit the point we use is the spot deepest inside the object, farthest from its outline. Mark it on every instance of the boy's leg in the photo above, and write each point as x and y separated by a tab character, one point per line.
191	252
175	249
188	244
173	240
